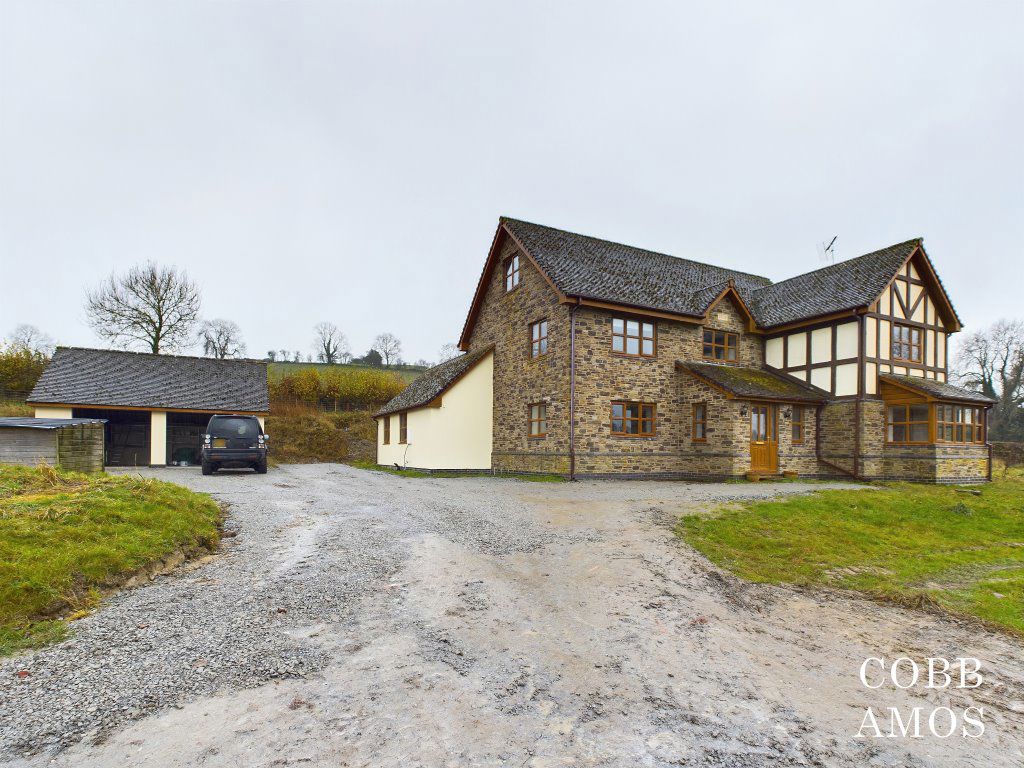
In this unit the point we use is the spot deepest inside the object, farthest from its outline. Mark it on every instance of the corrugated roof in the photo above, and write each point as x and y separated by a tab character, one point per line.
432	382
755	383
23	422
938	389
103	377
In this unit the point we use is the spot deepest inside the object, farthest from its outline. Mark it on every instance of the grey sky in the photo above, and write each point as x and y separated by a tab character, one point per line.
348	161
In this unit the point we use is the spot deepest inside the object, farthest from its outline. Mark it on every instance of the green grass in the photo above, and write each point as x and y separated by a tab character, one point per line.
372	465
917	545
67	537
279	370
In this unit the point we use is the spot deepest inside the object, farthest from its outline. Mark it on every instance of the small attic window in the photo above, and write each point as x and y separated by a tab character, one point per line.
511	273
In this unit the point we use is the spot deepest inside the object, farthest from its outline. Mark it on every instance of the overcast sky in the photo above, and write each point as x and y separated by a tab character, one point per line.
348	161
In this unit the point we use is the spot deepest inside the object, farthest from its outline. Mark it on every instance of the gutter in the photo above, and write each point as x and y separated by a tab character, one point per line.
572	390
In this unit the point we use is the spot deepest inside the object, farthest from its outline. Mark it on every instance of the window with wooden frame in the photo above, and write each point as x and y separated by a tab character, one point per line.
511	273
633	337
720	345
906	343
699	433
908	424
633	419
403	428
959	424
539	338
538	420
797	423
387	430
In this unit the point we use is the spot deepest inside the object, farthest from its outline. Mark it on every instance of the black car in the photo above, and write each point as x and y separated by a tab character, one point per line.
234	441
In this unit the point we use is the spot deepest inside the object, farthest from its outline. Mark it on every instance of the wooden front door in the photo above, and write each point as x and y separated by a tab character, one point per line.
764	438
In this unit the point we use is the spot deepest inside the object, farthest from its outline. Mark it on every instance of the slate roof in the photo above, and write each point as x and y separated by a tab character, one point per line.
755	383
599	269
591	268
432	382
24	422
938	389
846	285
102	377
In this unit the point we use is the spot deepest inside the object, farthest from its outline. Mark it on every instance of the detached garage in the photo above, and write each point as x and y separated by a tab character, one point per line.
155	407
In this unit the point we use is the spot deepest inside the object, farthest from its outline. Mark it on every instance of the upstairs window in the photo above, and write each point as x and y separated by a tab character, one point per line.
512	273
387	430
633	419
908	424
720	345
539	338
906	343
797	423
700	422
403	428
633	337
538	422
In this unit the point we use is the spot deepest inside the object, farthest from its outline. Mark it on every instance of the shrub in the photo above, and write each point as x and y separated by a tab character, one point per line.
20	368
358	386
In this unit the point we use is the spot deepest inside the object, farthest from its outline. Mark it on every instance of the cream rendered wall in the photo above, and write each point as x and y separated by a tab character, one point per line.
821	345
846	379
822	378
846	341
52	412
157	437
458	435
797	351
773	352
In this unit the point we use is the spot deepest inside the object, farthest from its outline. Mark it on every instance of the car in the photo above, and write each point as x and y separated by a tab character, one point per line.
234	441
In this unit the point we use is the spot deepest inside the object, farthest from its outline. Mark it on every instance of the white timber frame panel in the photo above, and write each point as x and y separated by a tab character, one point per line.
906	302
825	355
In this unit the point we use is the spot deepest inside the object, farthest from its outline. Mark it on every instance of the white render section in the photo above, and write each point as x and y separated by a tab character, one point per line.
885	336
846	379
802	375
940	350
870	336
846	340
458	435
822	378
773	352
157	437
821	345
52	412
797	345
871	378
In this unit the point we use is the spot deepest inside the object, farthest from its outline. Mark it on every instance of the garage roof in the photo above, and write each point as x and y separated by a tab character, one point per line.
108	378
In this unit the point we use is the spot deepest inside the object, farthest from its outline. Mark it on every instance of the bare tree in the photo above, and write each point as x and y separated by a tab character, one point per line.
389	347
991	361
330	343
448	351
271	355
31	338
154	306
221	339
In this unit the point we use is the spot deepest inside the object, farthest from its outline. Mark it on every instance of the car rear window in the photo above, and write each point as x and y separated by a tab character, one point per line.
234	427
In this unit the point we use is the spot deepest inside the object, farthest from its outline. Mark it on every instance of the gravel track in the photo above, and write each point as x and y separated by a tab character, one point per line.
358	619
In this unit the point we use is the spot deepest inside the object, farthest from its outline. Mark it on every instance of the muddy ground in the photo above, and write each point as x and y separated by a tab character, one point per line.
362	619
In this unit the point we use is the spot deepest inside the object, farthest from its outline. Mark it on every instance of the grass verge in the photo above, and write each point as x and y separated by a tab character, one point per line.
372	465
917	545
302	435
67	537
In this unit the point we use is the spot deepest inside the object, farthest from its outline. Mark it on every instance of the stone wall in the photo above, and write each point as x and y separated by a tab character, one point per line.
520	379
80	448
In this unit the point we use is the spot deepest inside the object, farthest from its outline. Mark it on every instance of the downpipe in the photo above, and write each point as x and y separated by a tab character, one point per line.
572	390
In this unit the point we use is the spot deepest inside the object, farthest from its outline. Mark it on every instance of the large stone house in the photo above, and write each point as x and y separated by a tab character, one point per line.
590	358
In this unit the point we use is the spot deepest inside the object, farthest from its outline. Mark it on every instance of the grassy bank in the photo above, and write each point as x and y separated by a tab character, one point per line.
15	408
64	537
279	370
302	434
913	544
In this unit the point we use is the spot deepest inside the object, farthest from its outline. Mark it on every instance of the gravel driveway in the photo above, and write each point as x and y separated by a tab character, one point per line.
362	619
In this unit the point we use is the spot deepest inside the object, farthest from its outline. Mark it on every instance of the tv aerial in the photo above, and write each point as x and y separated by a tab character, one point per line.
827	251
